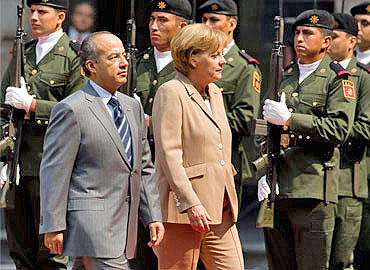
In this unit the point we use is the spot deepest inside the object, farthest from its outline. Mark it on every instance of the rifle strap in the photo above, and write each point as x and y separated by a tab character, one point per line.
328	178
356	178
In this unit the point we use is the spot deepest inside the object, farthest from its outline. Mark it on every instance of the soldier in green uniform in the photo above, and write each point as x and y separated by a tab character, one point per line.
352	173
317	109
52	72
240	84
361	13
154	68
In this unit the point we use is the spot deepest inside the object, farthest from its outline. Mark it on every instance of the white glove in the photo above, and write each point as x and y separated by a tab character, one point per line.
264	189
19	97
4	176
276	113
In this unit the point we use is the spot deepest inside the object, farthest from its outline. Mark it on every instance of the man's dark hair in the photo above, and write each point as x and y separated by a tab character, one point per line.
326	32
89	51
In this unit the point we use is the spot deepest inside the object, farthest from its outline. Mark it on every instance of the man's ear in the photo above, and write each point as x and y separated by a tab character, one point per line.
182	24
61	16
233	23
326	42
90	65
352	42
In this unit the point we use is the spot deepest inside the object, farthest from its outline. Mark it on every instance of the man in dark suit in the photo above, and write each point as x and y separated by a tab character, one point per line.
96	170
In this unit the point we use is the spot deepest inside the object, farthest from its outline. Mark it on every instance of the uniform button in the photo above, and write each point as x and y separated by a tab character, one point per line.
290	70
28	88
314	103
295	94
38	122
222	162
34	71
220	146
221	89
290	110
300	137
46	122
150	100
323	70
217	130
52	82
308	137
354	70
151	140
292	136
230	59
155	82
285	128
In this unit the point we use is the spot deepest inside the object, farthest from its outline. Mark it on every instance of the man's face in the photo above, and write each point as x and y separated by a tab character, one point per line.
309	44
162	26
340	47
83	17
110	72
364	31
45	20
220	22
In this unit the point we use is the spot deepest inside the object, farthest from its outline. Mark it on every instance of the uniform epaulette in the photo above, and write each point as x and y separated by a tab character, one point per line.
75	46
341	72
363	66
139	54
249	58
30	43
289	66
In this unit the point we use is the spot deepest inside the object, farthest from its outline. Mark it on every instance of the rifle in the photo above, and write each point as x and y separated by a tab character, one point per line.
194	12
130	86
271	147
12	131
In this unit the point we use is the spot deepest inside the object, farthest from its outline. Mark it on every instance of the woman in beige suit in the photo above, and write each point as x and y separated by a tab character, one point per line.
193	158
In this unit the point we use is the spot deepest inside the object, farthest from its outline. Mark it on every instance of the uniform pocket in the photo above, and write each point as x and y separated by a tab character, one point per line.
54	85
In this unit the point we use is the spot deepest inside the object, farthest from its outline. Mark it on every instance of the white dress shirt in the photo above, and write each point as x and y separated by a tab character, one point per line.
228	47
46	44
345	63
75	35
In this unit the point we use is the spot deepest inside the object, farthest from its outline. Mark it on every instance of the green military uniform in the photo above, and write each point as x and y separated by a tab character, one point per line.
322	114
56	76
362	251
352	176
241	87
148	82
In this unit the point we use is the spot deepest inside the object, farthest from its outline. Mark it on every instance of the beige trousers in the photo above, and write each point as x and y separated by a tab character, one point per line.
220	248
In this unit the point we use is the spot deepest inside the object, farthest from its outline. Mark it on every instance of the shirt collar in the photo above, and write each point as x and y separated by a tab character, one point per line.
103	94
345	63
52	38
228	47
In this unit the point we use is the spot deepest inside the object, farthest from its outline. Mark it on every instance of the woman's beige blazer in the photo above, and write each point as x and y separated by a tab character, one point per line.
192	151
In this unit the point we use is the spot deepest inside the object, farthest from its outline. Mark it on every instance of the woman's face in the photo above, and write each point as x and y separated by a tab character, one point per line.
208	65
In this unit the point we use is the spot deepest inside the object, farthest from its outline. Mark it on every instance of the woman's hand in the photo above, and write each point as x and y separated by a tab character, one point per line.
199	218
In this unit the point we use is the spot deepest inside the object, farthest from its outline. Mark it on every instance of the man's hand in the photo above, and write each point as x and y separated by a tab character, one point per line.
54	242
276	113
19	97
4	176
199	218
264	189
156	233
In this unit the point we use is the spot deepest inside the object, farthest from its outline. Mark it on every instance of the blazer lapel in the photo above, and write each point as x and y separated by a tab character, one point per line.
133	127
98	108
194	95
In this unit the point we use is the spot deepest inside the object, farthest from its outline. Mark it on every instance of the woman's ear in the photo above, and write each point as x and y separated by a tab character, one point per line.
193	60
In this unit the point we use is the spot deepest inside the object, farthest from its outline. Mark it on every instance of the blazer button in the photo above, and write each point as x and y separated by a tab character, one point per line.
34	71
178	204
222	162
220	146
217	130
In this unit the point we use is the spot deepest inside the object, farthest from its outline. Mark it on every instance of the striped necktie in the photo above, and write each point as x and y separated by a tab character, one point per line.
122	125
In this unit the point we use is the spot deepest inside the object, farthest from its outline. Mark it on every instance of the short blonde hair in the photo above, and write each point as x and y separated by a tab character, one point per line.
193	39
